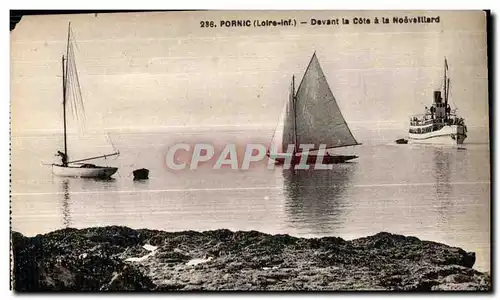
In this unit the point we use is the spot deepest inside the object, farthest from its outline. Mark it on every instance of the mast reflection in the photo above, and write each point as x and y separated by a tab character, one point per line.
65	209
442	171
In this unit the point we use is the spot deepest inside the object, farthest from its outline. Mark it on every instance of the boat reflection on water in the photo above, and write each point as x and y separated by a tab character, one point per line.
90	184
444	191
315	201
78	207
65	209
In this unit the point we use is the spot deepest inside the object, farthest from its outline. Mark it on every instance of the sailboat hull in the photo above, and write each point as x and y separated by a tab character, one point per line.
313	159
83	172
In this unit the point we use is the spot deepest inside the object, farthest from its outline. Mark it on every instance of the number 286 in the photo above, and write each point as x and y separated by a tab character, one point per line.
204	24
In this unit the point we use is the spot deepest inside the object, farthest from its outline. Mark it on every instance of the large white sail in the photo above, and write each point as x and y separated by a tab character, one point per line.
318	117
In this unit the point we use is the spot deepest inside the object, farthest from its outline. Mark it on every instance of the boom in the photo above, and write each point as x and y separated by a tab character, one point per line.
95	157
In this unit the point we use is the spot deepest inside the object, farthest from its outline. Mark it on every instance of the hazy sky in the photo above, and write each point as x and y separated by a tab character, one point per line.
151	70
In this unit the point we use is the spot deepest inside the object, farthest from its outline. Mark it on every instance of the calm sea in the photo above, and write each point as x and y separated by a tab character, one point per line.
432	192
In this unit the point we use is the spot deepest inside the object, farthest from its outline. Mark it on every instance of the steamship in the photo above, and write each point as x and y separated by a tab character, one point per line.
439	124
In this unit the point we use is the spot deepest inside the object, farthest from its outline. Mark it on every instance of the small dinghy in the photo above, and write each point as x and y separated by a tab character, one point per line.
401	141
141	174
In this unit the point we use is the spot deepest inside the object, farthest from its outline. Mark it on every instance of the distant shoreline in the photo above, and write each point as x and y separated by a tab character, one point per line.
216	128
119	258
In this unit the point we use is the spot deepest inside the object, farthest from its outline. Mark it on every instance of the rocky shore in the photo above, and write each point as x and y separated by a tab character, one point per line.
123	259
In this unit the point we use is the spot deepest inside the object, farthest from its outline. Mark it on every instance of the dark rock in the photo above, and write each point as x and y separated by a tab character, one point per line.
129	279
141	174
69	260
134	251
172	256
114	259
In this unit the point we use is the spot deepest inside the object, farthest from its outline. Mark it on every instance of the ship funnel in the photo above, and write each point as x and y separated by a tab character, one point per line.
437	97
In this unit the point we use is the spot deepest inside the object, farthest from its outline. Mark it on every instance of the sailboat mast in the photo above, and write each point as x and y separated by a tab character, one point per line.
445	89
294	116
65	83
64	106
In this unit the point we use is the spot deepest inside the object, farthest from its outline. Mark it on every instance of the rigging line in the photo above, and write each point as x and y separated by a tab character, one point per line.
73	39
294	108
76	111
77	81
78	98
72	90
76	92
111	142
449	92
272	137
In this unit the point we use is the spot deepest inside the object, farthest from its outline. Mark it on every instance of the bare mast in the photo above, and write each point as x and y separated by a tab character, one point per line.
65	84
446	82
294	116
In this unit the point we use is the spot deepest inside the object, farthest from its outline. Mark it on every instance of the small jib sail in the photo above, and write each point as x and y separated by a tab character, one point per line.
312	115
72	96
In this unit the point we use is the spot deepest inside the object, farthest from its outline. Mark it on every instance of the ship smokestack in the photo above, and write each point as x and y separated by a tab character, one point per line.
437	97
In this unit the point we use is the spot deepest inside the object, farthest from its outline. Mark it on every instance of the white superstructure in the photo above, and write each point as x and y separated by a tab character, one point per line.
439	124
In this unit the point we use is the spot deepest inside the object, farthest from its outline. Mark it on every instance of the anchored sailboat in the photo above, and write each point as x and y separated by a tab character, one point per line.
312	117
72	92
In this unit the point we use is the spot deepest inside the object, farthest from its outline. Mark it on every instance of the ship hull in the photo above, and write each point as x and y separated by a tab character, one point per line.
313	159
86	172
448	135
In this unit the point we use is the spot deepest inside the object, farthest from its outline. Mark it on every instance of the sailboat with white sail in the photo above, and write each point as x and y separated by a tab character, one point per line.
311	117
72	96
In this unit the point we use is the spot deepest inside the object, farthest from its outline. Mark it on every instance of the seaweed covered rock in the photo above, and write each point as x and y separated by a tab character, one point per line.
123	259
76	260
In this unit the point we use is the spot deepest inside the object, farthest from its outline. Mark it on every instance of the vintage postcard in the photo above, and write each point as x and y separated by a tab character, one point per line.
250	151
